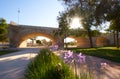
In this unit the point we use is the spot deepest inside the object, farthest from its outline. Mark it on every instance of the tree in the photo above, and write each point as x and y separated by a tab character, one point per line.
95	33
95	12
62	32
115	22
77	32
111	12
84	9
3	30
116	29
38	42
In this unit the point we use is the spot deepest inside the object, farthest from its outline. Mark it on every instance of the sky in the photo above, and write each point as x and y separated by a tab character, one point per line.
32	12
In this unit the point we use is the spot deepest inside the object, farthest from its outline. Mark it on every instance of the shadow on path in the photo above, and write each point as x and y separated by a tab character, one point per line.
93	64
12	66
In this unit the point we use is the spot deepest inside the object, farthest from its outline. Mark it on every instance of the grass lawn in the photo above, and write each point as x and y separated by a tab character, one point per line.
110	53
3	52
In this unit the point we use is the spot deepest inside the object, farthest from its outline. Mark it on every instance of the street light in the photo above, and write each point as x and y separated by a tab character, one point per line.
18	15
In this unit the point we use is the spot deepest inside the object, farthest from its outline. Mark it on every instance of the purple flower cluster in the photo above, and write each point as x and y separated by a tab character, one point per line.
69	57
104	65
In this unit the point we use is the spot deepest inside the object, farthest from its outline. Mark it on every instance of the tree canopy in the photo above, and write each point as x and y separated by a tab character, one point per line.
95	13
3	30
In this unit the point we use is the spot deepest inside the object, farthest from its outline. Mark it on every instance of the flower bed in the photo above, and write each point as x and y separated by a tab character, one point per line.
48	66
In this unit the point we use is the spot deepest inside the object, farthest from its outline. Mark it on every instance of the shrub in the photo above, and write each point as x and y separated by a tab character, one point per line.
48	66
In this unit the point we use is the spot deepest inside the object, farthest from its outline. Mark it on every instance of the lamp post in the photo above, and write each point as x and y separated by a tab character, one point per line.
18	15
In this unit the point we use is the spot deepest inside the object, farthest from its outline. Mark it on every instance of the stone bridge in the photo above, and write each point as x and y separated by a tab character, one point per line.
19	33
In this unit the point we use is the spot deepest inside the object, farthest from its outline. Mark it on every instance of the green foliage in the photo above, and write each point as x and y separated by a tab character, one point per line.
3	23
78	32
84	10
62	32
95	12
3	52
95	33
63	24
38	42
72	43
110	53
114	17
81	32
3	30
48	66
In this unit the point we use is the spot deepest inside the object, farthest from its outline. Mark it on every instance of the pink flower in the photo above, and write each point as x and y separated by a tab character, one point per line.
69	56
104	65
81	58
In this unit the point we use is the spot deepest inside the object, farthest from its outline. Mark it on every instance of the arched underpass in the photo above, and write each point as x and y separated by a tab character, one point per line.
23	42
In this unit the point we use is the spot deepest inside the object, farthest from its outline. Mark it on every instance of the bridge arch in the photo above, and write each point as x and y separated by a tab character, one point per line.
19	33
32	35
81	42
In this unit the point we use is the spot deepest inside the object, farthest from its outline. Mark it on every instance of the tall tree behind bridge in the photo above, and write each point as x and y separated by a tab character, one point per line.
85	9
62	32
96	12
110	10
3	30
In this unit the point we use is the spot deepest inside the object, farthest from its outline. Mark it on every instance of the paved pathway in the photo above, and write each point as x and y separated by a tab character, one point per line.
93	64
13	65
109	71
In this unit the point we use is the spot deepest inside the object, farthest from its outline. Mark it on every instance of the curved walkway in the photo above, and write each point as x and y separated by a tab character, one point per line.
94	65
13	65
109	70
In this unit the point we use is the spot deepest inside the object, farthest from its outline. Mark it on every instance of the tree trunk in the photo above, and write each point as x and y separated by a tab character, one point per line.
114	38
117	42
60	42
90	38
66	44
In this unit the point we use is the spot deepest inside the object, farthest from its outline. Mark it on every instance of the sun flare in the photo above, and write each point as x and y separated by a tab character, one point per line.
76	23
